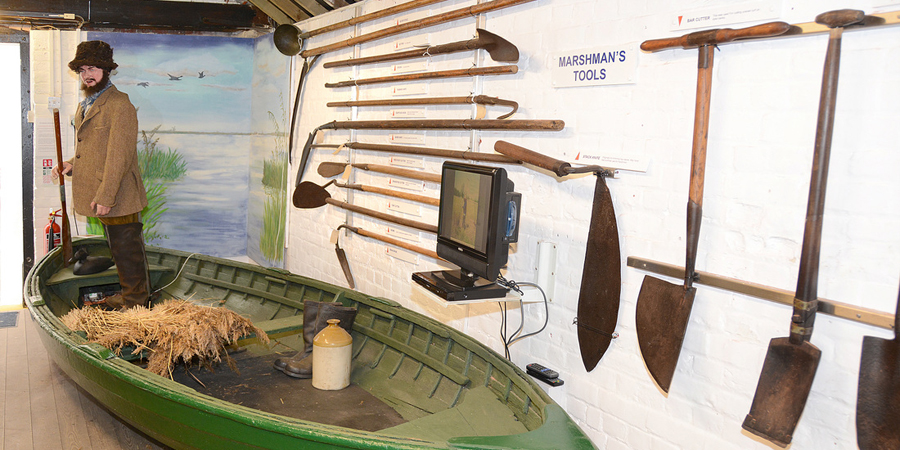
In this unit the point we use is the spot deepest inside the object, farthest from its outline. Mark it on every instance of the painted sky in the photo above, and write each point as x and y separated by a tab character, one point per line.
185	83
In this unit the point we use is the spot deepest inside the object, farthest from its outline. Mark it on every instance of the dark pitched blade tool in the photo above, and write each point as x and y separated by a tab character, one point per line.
601	277
791	362
663	308
878	394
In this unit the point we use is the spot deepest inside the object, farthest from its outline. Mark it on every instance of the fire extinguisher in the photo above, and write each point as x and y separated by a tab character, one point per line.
52	232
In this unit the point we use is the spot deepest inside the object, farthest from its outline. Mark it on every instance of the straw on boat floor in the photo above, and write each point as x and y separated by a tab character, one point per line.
172	332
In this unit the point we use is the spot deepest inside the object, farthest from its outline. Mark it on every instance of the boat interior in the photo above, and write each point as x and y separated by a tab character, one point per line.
411	377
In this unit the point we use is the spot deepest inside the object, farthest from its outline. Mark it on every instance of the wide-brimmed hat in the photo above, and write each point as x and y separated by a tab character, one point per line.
93	53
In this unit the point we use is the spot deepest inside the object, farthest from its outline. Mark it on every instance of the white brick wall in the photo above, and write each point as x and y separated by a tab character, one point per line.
763	118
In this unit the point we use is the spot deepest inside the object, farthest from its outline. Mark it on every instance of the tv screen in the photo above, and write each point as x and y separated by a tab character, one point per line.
477	220
470	201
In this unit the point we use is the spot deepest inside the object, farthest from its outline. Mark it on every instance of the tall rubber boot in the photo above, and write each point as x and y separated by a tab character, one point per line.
302	367
126	244
310	313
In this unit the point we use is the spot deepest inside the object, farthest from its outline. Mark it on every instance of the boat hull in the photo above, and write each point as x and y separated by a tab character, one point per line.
390	342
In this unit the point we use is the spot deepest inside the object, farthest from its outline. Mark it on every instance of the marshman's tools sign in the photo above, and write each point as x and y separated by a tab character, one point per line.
594	66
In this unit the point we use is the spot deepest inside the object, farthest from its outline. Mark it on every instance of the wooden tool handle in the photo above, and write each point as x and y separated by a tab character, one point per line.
560	168
66	232
392	241
716	36
408	173
383	216
470	72
390	192
428	151
450	124
840	18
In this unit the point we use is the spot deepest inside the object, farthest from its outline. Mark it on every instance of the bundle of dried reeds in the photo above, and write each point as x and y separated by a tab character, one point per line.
172	332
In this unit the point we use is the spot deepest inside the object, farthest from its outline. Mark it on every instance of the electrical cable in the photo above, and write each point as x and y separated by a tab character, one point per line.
513	338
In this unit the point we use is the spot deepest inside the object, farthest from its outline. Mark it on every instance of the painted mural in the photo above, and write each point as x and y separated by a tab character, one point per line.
268	205
193	95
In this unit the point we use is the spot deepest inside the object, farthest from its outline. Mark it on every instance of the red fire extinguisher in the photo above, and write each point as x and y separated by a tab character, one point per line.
52	232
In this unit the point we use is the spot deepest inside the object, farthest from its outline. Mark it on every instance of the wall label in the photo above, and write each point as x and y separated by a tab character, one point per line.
720	16
595	66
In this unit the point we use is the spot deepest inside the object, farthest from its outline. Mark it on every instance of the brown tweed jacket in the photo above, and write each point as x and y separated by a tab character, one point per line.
105	167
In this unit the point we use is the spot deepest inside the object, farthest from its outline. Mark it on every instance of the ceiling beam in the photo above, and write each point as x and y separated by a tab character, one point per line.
143	14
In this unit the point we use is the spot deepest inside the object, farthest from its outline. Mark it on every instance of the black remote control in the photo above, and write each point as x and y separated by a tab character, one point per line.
538	371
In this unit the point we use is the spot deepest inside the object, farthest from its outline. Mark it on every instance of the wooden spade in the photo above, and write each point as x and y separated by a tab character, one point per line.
878	394
309	195
791	362
663	308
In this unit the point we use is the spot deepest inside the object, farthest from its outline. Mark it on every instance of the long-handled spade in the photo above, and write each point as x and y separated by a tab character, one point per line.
498	49
601	278
878	394
313	196
330	169
663	308
791	362
307	189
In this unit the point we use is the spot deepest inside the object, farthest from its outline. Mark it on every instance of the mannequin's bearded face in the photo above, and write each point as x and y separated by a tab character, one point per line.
93	79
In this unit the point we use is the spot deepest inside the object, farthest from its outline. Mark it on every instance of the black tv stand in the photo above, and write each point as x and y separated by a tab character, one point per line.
454	285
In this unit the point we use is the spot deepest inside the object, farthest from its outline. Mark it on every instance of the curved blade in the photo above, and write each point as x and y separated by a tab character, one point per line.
345	265
661	318
601	280
498	48
309	195
330	169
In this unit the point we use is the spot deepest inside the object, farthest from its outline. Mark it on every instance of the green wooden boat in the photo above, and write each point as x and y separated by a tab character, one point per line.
415	383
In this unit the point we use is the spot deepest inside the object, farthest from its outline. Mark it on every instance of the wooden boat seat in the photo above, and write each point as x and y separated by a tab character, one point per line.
65	275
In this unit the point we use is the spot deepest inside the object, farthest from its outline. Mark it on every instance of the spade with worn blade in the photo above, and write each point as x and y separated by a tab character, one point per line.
878	394
312	195
330	169
791	362
663	308
601	277
498	49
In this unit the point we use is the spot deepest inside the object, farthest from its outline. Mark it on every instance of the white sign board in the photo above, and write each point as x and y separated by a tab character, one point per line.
720	16
594	66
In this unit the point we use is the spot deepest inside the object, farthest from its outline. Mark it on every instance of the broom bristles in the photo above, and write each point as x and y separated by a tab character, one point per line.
172	332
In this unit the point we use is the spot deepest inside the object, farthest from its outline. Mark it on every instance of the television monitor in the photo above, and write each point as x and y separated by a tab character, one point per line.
478	218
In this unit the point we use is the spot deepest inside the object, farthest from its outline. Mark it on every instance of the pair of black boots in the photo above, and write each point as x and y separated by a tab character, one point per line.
315	319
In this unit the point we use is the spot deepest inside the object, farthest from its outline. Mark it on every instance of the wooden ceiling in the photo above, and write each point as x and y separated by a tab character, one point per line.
158	15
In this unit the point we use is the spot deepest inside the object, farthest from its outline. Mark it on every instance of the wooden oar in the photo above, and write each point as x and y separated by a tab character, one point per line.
498	48
791	362
878	393
663	308
66	237
601	277
314	196
330	169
